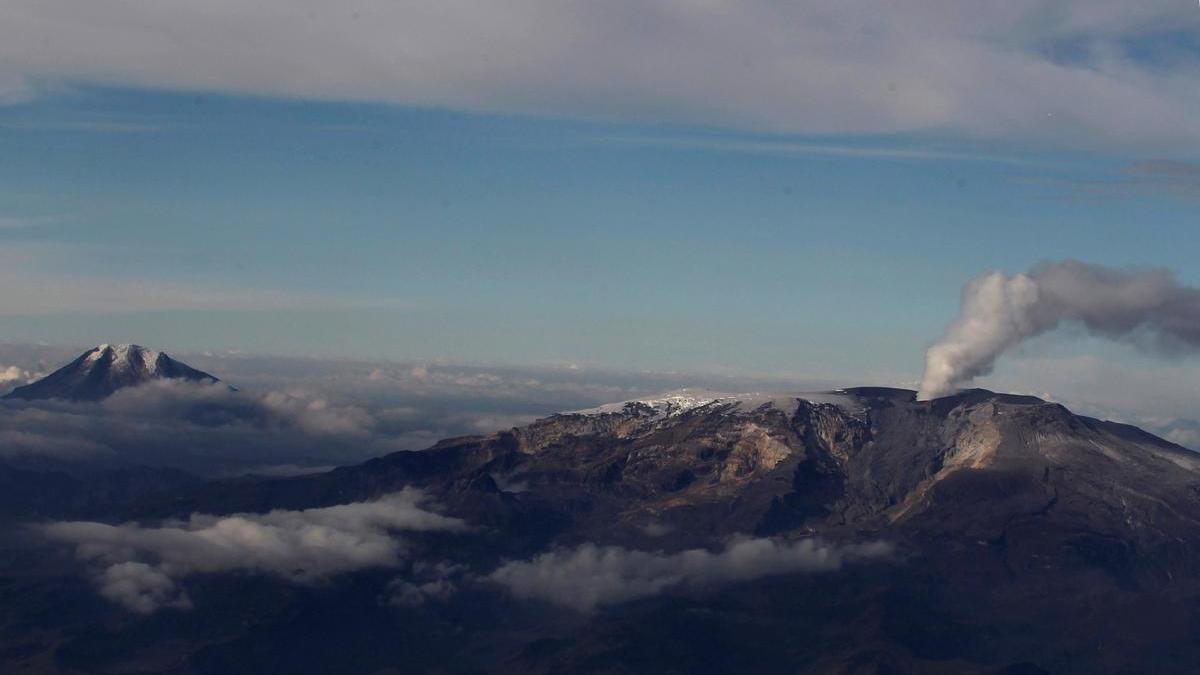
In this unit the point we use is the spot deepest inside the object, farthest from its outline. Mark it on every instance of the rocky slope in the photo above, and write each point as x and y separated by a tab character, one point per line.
1027	539
866	458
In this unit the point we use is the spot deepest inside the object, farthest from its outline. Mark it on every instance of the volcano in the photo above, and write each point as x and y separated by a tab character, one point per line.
100	372
1023	538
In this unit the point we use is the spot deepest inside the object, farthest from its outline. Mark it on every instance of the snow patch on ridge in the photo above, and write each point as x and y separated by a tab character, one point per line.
669	404
127	357
680	401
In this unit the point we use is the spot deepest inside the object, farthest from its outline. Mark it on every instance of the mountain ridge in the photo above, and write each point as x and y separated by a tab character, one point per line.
1023	536
883	443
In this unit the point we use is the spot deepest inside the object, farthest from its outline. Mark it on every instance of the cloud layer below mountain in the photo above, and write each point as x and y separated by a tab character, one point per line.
204	427
590	576
140	567
295	414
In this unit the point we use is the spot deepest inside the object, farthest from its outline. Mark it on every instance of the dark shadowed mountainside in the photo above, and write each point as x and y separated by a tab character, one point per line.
1023	539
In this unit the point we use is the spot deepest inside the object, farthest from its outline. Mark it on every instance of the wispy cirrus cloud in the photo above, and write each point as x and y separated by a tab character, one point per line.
1172	178
24	296
1175	177
783	147
1084	72
1165	168
36	279
90	125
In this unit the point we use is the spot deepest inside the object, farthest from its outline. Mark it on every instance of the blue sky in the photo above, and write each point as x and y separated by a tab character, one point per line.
524	222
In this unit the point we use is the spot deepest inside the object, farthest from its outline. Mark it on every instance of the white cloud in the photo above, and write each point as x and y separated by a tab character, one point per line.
590	575
216	403
317	415
141	566
14	375
1062	72
210	428
141	588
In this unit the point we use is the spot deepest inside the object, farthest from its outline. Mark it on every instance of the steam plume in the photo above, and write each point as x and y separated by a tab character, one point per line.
1147	307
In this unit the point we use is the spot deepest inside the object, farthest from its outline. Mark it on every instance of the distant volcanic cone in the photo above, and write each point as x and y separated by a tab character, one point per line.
101	371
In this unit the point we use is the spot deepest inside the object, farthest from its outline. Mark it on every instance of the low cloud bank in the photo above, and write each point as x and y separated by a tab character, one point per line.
208	428
590	576
140	567
217	405
292	414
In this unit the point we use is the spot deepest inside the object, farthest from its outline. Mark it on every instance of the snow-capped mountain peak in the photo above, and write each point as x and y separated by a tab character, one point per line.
102	370
127	357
